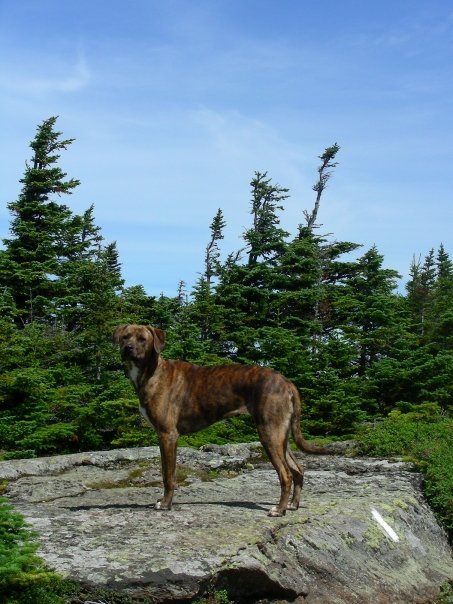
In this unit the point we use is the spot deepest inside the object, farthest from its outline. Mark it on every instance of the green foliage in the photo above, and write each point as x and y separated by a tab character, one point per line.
446	594
233	430
216	597
335	326
23	576
32	256
421	434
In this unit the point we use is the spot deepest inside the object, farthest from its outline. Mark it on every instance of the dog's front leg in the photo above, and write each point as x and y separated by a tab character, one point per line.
167	443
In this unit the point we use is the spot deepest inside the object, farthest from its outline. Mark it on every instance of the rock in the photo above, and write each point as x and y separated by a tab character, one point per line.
363	534
341	446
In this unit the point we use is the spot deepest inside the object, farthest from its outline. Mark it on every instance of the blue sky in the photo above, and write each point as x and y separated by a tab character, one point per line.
175	104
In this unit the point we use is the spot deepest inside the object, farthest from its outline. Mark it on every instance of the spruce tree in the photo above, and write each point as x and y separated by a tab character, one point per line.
136	306
31	262
212	252
203	310
440	326
419	291
368	309
327	163
245	290
265	239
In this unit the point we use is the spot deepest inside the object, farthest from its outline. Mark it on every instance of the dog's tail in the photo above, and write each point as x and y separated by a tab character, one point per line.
299	439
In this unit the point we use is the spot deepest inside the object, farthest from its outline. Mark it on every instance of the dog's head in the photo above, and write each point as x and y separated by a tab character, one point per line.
139	342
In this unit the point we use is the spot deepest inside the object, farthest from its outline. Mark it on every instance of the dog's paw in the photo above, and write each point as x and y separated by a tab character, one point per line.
162	506
275	513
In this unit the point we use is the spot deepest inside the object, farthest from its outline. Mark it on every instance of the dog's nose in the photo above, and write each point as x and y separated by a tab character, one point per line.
128	348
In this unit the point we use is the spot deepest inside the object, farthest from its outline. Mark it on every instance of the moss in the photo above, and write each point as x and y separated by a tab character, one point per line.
3	486
132	479
143	466
387	507
214	474
182	474
321	508
399	503
374	537
349	539
135	477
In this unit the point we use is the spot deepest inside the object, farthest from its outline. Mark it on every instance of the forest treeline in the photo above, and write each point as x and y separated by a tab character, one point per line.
326	314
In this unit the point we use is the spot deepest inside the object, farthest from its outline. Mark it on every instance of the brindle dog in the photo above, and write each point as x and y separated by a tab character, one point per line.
178	398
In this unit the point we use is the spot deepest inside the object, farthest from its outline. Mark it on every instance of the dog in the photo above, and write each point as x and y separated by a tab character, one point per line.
177	398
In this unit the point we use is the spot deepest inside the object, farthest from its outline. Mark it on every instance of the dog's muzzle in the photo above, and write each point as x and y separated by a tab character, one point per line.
127	351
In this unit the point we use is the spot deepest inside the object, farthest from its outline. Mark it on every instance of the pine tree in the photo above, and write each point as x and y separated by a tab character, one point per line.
440	326
324	175
419	291
203	310
368	309
212	252
136	306
265	238
245	290
298	275
30	263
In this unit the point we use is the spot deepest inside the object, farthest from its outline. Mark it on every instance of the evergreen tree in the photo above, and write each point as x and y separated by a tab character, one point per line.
334	326
212	252
99	304
245	291
265	239
324	175
61	285
204	311
136	306
368	309
298	275
419	291
440	328
30	263
23	575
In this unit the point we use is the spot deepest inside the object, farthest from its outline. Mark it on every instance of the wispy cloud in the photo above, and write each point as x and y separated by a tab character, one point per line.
23	78
175	104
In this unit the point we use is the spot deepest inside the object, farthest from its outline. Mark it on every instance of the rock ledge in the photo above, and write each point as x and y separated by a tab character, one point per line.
97	525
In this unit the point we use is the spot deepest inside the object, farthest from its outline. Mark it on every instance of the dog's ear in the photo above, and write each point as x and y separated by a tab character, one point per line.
117	333
159	338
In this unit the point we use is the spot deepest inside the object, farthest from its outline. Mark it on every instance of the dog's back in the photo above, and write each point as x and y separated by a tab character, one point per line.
208	394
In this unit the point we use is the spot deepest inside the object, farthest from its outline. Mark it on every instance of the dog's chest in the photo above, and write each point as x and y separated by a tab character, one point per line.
134	374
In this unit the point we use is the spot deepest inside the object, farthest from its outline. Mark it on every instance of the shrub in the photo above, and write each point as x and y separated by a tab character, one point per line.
425	438
24	578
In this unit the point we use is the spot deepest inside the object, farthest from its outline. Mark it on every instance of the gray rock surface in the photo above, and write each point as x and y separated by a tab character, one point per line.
94	513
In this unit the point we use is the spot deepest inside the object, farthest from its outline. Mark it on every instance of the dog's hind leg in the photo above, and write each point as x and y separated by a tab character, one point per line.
298	479
276	449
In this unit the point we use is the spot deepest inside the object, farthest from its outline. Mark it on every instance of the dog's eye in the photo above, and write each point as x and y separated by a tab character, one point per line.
141	338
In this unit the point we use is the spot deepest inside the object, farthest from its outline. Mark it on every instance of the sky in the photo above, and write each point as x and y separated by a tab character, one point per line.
175	104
